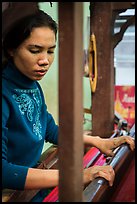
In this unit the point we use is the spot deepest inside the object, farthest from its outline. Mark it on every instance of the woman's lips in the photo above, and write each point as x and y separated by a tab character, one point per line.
41	72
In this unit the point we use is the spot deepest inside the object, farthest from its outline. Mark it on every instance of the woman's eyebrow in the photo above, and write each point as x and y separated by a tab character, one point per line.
52	47
40	47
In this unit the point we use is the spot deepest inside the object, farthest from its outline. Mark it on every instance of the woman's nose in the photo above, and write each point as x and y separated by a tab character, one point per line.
44	61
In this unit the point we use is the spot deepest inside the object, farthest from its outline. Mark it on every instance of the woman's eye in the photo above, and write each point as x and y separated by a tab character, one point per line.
34	51
50	52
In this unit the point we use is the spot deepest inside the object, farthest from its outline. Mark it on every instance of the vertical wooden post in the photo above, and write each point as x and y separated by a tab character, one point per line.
70	102
103	98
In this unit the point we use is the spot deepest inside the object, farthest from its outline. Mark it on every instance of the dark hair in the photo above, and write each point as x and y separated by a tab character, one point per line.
22	29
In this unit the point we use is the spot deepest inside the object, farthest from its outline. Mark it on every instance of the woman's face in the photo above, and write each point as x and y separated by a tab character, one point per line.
36	54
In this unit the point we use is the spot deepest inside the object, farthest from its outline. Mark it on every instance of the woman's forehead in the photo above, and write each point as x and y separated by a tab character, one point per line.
42	36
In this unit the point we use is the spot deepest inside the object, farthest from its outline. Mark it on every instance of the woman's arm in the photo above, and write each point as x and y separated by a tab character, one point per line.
107	145
41	178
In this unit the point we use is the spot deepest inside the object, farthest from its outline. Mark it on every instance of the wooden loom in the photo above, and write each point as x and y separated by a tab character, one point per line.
97	190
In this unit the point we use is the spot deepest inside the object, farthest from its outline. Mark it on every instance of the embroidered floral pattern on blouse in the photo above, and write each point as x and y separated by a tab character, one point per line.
31	106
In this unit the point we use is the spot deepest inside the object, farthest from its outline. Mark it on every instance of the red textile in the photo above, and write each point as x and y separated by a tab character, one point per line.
126	189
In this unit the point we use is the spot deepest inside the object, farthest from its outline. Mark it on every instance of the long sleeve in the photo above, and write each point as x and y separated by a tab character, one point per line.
52	130
13	176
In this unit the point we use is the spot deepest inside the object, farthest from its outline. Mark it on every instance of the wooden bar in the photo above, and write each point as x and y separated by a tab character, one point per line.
123	5
70	101
103	98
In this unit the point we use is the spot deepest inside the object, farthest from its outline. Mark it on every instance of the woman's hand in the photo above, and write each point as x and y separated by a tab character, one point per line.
93	172
107	146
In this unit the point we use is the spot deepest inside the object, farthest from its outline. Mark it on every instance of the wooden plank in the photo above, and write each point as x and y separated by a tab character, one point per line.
103	98
70	102
123	5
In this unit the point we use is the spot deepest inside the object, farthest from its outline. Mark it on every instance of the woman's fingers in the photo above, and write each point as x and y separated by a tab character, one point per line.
131	141
106	172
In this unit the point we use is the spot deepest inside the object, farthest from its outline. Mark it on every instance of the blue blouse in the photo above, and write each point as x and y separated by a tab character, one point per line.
26	125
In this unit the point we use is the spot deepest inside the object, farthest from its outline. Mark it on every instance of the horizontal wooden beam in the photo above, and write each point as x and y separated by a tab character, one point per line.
123	5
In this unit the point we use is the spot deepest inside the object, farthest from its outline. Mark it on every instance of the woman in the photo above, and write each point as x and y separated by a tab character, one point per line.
26	124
